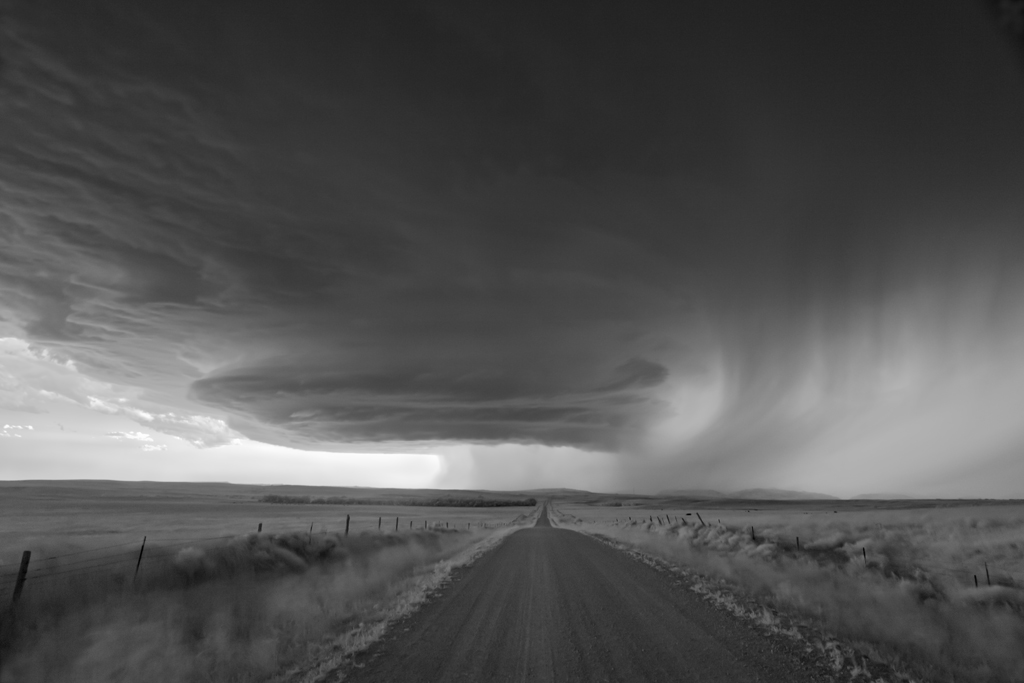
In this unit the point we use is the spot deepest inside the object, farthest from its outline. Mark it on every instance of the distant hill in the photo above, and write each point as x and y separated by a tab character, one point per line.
883	496
747	494
779	494
692	493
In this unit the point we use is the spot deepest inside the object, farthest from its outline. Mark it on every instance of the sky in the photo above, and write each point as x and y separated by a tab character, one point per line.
514	245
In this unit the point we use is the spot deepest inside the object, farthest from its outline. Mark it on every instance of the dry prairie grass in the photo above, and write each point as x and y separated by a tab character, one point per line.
240	611
912	603
243	607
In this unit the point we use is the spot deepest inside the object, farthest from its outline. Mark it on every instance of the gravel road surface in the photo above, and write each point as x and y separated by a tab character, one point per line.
555	605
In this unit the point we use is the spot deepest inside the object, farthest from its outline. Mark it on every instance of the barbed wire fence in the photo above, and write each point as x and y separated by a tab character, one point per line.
149	552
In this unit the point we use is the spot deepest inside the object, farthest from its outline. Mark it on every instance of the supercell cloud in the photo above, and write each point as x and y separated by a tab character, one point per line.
776	244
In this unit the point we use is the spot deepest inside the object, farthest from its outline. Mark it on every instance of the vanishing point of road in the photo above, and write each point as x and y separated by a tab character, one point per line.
555	605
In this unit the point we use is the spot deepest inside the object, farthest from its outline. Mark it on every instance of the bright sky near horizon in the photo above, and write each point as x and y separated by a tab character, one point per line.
508	246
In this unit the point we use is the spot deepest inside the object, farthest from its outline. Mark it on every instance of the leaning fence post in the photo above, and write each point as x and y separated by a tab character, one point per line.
347	519
975	580
988	579
138	562
19	583
798	543
259	529
380	520
701	519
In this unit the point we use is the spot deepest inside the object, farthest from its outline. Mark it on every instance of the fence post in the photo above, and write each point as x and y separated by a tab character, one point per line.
311	532
380	520
347	519
396	523
259	529
988	579
798	543
975	580
864	552
138	562
701	519
752	536
19	583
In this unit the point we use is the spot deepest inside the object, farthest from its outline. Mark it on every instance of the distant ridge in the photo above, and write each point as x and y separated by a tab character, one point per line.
692	493
883	496
748	494
780	494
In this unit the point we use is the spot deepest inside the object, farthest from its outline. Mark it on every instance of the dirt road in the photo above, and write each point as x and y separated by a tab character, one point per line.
555	605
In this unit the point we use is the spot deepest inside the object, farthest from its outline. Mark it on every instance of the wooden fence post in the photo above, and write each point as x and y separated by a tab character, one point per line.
798	543
864	551
347	520
19	583
988	579
380	520
752	536
138	562
701	519
259	529
396	523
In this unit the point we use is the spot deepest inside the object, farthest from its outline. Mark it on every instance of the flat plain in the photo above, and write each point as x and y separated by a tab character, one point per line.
683	588
79	515
208	598
931	589
951	540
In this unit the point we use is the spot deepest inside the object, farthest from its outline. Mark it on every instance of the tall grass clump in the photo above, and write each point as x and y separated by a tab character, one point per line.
904	605
241	610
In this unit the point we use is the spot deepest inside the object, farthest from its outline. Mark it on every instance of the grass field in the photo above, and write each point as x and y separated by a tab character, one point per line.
950	540
895	578
85	514
213	600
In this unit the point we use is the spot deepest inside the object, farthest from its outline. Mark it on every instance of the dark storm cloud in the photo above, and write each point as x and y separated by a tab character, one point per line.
416	221
433	403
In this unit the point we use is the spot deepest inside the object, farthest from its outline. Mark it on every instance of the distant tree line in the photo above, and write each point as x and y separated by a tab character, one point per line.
421	502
